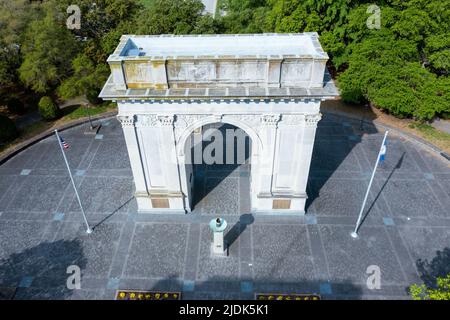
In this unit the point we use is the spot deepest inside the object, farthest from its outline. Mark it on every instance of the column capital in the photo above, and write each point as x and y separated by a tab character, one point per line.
166	120
311	120
270	120
292	119
126	121
154	120
147	120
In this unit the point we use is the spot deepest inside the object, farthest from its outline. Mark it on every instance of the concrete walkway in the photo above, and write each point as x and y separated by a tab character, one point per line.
210	6
34	117
406	232
443	125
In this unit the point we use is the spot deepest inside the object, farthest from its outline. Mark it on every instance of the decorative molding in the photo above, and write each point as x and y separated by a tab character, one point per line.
218	117
126	121
270	119
147	120
166	120
154	120
185	120
293	119
252	120
311	120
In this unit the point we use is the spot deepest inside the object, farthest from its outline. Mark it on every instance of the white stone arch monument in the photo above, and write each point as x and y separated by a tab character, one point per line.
268	85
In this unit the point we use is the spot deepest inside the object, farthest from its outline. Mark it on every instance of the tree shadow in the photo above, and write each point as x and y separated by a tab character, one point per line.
439	266
69	109
225	288
40	272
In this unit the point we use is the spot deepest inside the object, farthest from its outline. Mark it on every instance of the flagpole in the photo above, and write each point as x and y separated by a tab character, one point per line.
89	230
354	234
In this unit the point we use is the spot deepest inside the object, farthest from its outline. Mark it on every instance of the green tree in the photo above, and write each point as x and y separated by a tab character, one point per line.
47	54
8	130
86	80
206	24
244	16
97	17
102	25
388	66
437	51
387	72
15	106
9	62
441	292
170	16
48	109
15	15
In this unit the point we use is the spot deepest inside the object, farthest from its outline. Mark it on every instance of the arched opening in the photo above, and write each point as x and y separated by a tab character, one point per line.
217	163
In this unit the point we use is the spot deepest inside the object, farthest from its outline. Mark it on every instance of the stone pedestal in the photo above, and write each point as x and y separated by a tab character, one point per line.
218	247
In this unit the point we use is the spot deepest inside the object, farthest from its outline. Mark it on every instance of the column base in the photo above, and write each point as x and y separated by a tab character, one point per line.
272	212
160	203
277	204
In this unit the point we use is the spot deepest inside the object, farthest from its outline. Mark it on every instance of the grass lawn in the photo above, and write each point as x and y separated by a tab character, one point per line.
430	133
77	112
425	131
68	114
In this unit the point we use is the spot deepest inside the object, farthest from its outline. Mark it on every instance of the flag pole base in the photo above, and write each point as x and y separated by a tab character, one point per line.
354	235
92	130
89	231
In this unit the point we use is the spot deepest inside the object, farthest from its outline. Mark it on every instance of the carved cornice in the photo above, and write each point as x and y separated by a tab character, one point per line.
166	120
154	120
292	119
185	120
147	120
252	120
270	120
311	120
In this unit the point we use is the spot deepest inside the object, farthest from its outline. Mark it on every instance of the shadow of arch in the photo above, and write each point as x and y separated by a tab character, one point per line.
206	177
335	139
40	272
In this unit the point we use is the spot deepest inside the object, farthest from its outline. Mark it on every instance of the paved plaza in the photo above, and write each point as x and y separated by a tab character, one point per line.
406	231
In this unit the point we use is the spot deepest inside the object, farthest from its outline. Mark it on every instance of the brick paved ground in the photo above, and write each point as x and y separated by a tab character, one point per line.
406	232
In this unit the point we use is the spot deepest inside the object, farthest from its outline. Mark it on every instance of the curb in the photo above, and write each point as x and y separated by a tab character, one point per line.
406	135
24	145
28	143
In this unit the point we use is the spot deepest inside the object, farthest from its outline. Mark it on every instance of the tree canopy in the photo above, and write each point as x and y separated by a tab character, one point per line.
401	67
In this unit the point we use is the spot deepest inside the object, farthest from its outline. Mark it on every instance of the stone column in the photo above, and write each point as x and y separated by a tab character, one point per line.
158	151
309	133
286	159
129	131
169	163
268	134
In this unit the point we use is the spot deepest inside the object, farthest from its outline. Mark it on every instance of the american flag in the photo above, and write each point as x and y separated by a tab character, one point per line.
64	143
